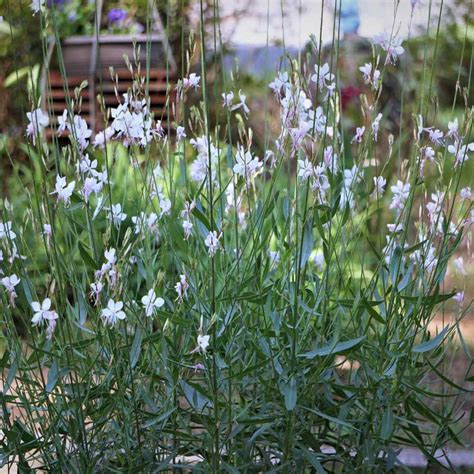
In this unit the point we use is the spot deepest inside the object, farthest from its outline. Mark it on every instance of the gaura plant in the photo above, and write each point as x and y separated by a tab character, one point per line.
189	305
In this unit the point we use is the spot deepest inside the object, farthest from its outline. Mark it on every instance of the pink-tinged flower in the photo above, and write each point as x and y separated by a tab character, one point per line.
391	44
191	81
459	297
461	153
281	81
305	169
453	128
376	126
227	99
96	290
379	182
6	231
322	76
358	135
212	242
466	193
400	191
180	134
42	312
9	283
181	288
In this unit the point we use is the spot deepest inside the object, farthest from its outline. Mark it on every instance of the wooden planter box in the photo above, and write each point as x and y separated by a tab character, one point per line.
81	59
86	59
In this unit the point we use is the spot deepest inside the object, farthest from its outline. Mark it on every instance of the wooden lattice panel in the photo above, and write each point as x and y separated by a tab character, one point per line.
58	90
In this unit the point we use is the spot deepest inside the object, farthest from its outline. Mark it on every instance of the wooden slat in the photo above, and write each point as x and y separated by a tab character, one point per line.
157	94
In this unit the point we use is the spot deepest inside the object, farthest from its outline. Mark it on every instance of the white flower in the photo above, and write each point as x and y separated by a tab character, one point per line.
370	75
181	288
400	191
242	103
319	260
351	176
85	165
203	342
180	133
322	75
212	242
47	230
436	136
10	282
395	228
459	266
200	166
37	6
188	229
151	302
428	153
461	152
38	121
280	81
103	137
62	122
42	312
91	185
63	190
376	126
191	81
466	193
366	71
274	257
459	297
320	182
116	215
358	135
110	256
80	131
305	169
453	128
6	231
379	182
96	290
113	313
227	99
391	44
246	165
165	205
330	159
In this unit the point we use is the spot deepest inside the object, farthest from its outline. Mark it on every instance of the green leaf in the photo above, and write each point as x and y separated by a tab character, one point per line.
387	424
195	398
199	215
289	392
432	343
396	263
313	460
332	349
53	376
136	347
88	260
307	246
